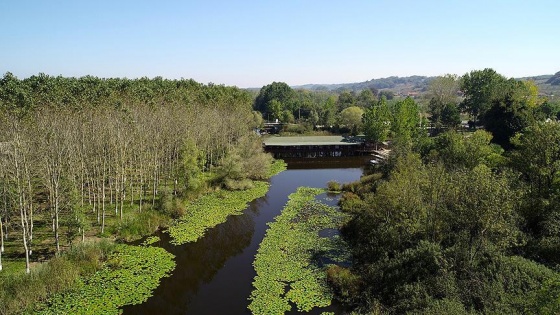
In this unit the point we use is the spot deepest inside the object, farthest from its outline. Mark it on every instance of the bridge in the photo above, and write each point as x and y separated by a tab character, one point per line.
315	146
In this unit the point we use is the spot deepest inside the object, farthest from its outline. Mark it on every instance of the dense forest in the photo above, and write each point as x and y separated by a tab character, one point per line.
463	222
88	157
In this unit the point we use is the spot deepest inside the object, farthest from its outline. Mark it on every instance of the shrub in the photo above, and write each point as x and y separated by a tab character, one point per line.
243	184
333	186
346	284
141	224
90	256
350	202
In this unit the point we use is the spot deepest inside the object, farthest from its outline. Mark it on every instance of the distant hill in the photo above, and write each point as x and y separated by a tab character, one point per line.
417	85
395	84
555	79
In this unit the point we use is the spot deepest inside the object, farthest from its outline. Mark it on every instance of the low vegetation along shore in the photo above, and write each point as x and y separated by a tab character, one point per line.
214	208
100	277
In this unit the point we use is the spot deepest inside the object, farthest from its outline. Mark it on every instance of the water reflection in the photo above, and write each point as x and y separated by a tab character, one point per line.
214	275
197	263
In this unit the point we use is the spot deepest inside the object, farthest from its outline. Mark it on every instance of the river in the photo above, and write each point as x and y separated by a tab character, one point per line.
214	275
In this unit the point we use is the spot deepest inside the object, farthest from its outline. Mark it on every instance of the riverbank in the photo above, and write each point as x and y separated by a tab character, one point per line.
120	266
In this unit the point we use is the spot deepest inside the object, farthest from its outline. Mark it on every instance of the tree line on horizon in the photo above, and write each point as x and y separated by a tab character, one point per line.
447	101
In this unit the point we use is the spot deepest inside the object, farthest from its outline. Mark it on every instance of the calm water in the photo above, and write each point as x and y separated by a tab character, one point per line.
214	275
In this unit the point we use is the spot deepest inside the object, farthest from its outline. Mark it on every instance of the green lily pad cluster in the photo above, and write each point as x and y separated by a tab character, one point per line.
286	262
151	240
211	210
129	276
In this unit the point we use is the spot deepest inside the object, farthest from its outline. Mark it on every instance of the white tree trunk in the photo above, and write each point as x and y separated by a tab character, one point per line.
56	212
103	206
1	236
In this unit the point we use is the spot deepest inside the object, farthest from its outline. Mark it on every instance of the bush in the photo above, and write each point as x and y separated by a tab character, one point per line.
90	256
346	285
350	202
242	184
60	272
141	224
333	186
296	128
170	205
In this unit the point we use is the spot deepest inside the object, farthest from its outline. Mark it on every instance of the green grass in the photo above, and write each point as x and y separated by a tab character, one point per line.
129	276
286	265
20	292
277	167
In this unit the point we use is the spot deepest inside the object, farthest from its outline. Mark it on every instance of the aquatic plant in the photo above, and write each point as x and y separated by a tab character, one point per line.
151	240
287	264
277	167
211	210
129	276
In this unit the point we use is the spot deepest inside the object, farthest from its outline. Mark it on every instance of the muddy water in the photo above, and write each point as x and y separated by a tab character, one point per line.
214	275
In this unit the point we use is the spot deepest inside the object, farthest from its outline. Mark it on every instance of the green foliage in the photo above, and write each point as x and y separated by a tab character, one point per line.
21	293
211	210
345	100
366	98
406	121
151	240
537	158
334	186
350	202
351	117
481	88
192	162
457	150
144	223
550	109
301	128
169	205
433	239
444	115
514	109
277	167
258	120
244	161
274	98
443	108
547	299
377	121
285	266
346	285
129	277
287	117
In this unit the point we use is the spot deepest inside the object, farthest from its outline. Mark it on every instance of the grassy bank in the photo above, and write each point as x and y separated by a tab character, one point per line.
128	276
94	278
288	262
90	278
214	208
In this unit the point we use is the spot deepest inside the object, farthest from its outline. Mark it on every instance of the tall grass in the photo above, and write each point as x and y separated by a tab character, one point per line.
20	292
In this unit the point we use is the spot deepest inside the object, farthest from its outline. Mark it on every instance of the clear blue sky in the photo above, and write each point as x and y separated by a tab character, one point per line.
253	43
